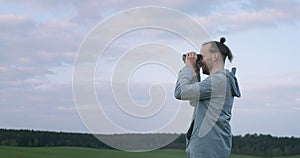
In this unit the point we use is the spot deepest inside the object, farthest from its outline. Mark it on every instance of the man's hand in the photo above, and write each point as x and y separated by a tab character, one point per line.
190	60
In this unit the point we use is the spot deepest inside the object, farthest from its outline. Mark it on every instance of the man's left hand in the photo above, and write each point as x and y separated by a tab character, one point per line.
190	60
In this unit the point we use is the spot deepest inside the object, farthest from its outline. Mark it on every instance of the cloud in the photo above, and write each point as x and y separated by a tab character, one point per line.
49	108
275	97
29	48
88	13
39	41
3	69
271	110
23	38
12	21
265	18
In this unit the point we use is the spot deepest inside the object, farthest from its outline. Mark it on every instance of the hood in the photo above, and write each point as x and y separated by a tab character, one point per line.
233	83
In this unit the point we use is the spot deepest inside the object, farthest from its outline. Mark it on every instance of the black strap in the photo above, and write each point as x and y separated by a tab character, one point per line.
190	131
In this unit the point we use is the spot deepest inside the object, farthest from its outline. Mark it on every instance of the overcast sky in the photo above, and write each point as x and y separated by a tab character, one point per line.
39	41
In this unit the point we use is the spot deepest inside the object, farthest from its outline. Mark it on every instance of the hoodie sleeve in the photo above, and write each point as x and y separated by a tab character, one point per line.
186	89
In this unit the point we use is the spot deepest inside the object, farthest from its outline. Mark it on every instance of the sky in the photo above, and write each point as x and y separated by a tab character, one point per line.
40	42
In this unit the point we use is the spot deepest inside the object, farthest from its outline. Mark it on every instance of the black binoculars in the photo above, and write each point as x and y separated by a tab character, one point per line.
199	57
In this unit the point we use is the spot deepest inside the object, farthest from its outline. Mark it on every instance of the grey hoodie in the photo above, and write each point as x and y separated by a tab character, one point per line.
212	100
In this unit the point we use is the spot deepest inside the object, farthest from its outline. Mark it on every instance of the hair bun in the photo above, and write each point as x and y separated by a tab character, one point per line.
222	40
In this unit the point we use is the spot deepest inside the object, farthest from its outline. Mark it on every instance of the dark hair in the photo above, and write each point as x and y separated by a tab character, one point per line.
216	46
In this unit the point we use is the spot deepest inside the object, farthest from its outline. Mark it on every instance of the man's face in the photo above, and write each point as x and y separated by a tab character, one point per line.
206	60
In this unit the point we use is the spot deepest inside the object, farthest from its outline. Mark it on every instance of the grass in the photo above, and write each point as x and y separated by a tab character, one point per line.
74	152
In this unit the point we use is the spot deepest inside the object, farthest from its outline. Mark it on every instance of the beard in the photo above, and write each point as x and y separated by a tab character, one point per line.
205	69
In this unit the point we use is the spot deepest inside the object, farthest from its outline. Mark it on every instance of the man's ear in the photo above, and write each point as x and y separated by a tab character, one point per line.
215	56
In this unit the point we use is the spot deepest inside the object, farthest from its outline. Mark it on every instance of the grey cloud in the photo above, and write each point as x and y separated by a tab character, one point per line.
88	13
46	38
269	98
252	15
12	22
271	109
29	49
39	108
256	5
20	77
230	16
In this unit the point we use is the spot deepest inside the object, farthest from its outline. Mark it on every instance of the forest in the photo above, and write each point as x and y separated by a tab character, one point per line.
249	144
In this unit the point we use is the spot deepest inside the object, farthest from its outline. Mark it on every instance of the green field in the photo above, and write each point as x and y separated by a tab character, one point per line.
73	152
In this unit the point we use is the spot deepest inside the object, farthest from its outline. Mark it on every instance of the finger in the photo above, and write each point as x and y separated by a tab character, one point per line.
193	55
189	55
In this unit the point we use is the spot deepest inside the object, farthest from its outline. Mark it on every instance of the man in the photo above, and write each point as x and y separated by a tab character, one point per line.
210	132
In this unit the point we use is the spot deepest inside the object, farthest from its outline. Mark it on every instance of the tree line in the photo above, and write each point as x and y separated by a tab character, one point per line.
31	138
250	144
265	145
